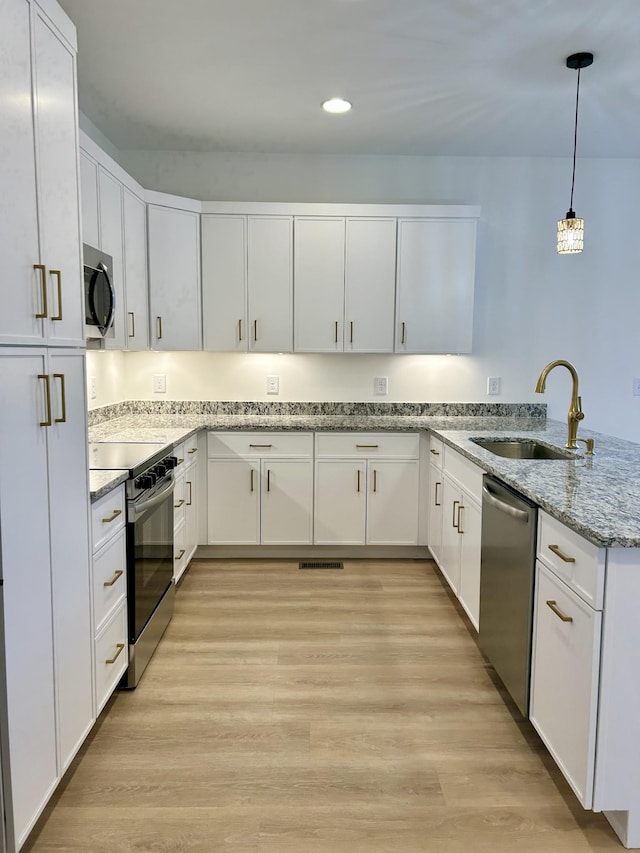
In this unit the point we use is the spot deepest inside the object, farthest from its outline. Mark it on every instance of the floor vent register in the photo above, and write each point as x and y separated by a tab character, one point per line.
321	564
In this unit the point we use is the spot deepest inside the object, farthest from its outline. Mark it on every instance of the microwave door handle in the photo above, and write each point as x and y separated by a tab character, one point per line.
112	298
139	509
95	319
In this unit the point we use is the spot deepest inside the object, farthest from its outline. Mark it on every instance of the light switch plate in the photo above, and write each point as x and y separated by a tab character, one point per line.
273	384
159	383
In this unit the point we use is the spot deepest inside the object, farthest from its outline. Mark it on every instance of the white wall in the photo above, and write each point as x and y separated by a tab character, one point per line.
106	369
532	306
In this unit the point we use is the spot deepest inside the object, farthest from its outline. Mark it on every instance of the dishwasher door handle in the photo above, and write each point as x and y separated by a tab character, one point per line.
492	500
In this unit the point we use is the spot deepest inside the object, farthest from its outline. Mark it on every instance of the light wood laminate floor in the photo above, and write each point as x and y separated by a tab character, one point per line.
316	711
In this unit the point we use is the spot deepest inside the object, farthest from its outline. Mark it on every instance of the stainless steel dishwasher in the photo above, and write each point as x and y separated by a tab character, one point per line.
507	574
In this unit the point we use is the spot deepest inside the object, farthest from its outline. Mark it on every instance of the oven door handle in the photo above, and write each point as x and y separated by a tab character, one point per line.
139	509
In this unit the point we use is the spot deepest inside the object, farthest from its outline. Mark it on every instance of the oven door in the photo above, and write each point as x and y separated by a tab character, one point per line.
149	553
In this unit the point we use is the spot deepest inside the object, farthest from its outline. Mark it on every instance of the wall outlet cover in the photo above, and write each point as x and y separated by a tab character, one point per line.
93	388
273	384
493	384
636	386
159	383
381	385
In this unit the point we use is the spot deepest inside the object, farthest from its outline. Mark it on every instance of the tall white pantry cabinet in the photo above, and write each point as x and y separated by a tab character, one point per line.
44	501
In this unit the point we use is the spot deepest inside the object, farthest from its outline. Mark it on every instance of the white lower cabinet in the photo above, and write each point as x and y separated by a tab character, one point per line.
45	557
564	679
185	505
260	488
366	493
111	654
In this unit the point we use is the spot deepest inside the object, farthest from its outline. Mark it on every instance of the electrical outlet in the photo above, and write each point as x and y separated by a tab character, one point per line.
381	385
93	387
159	383
636	387
273	384
493	384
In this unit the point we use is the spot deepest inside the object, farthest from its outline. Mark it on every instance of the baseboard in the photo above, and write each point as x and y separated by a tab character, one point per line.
299	552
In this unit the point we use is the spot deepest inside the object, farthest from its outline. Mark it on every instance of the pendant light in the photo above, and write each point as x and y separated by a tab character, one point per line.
571	229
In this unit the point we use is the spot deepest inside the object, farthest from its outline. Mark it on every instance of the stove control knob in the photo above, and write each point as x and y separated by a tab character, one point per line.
145	481
160	469
170	461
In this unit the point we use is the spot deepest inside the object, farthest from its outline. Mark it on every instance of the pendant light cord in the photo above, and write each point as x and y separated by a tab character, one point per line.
575	141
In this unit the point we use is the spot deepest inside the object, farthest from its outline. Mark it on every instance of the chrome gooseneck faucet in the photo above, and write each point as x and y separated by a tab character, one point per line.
575	414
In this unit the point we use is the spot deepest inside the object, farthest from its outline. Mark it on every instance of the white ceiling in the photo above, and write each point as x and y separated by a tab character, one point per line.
426	77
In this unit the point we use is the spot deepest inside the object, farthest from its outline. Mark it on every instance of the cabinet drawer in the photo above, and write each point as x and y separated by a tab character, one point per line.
179	453
109	577
579	563
564	679
366	444
190	449
107	516
259	444
111	655
464	472
436	451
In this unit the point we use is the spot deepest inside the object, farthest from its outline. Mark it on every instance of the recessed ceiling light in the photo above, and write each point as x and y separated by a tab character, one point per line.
336	105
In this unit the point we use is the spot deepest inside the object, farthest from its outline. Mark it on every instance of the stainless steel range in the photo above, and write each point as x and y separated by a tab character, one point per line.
150	587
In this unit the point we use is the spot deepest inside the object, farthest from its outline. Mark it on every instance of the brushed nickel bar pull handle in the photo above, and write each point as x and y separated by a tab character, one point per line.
556	550
453	520
459	524
43	284
132	333
179	504
63	398
47	393
268	480
351	332
240	330
118	574
251	480
371	446
435	452
159	328
358	483
436	501
255	330
58	276
190	484
260	445
375	480
180	555
112	517
193	450
403	334
336	339
553	605
119	647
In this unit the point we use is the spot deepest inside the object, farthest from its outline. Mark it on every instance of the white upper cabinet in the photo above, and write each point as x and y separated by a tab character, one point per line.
89	201
174	278
370	285
111	242
39	211
134	212
344	283
436	264
247	283
319	284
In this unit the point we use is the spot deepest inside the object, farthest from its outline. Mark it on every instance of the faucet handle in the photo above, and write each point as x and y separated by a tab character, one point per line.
579	414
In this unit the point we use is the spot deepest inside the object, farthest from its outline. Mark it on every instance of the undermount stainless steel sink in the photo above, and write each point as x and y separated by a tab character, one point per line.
522	448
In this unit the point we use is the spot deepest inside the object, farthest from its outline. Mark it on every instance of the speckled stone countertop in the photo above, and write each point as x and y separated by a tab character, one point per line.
599	496
103	482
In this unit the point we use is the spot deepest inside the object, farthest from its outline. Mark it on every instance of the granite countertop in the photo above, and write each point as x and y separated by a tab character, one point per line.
103	482
599	496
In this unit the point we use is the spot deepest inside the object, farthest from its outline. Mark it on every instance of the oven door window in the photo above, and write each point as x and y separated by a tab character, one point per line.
150	562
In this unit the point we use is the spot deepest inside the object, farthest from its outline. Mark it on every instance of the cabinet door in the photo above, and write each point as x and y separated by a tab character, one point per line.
233	488
318	284
269	283
191	510
469	532
564	679
450	562
174	278
70	551
436	267
370	285
286	502
89	201
58	195
224	280
435	512
21	288
340	502
392	502
111	242
26	560
135	271
179	551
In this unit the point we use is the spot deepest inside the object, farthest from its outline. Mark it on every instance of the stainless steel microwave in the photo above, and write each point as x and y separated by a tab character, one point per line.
99	293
